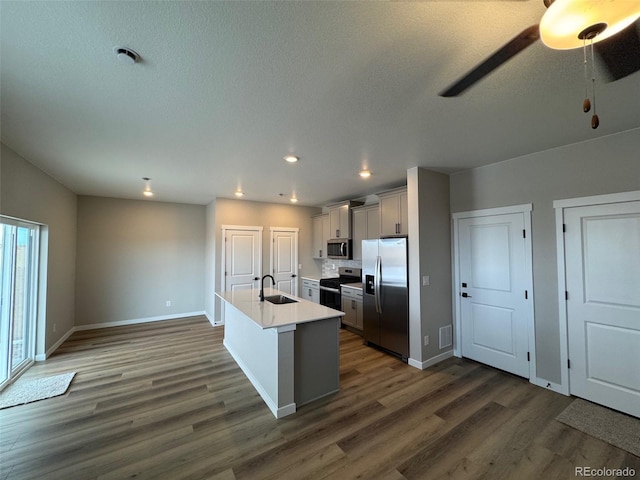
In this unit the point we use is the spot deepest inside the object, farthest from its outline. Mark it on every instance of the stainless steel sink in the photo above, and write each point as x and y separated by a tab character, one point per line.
279	299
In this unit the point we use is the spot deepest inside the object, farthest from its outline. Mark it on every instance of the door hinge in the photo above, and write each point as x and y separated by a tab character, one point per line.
524	234
564	228
566	295
568	363
528	356
526	295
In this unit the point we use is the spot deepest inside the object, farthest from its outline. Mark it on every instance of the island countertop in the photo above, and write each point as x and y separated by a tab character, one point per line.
268	315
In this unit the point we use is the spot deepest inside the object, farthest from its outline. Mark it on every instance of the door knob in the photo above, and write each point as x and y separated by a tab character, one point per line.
465	295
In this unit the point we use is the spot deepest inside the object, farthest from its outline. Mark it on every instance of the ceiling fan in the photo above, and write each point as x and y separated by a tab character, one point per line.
572	24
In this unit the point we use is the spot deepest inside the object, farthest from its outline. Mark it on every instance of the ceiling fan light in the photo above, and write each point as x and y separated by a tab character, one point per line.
564	22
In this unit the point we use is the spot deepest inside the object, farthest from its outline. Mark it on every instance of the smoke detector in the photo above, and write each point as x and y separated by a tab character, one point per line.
126	55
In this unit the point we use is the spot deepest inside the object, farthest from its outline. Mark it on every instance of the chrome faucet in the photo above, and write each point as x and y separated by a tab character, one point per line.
262	286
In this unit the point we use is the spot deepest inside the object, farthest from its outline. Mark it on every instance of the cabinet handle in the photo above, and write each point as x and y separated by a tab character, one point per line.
320	253
310	292
353	304
338	233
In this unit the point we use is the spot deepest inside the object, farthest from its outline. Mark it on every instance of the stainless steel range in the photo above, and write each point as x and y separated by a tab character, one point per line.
330	287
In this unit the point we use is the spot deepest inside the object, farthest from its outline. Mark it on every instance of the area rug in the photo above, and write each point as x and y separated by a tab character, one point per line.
618	429
31	390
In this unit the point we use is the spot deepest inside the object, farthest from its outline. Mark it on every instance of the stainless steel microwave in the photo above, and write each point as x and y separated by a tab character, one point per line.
339	248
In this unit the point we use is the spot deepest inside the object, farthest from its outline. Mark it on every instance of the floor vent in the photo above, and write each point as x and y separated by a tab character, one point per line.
446	336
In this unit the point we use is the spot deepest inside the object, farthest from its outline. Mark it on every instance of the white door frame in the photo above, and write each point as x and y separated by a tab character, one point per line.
525	209
294	230
559	206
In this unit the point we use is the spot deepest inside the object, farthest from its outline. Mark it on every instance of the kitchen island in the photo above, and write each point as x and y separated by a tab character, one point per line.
289	352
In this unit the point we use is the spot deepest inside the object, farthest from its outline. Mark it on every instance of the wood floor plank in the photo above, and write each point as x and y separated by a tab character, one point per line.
165	400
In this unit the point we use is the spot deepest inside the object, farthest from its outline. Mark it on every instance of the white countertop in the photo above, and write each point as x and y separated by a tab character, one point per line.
315	278
268	315
355	286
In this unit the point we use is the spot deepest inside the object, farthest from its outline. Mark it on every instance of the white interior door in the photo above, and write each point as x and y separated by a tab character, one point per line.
284	259
602	258
493	303
243	257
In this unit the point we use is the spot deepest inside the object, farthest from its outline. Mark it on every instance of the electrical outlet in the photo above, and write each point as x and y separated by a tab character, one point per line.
426	340
426	281
168	303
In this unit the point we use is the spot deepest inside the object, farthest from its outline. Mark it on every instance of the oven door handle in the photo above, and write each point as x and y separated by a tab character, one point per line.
327	289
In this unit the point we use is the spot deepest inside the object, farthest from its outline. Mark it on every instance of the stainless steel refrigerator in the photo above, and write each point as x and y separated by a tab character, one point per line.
386	294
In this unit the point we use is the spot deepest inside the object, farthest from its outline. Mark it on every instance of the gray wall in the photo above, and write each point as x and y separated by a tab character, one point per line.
134	255
430	251
606	165
266	215
30	194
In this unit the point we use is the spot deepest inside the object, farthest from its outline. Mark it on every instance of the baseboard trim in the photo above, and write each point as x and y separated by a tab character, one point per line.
78	328
134	321
431	361
212	320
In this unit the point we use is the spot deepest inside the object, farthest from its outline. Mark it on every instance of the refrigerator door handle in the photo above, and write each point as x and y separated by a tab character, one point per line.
378	277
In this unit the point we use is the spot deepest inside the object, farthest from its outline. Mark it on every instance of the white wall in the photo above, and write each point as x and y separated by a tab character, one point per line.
30	194
135	255
605	165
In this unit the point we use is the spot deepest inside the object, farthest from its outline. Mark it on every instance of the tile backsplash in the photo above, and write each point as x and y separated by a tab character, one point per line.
330	266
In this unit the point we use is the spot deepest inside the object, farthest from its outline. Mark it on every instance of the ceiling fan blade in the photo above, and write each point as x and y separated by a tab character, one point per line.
620	54
512	48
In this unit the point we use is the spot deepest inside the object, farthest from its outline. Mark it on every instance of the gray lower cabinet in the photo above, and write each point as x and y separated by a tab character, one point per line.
310	290
352	307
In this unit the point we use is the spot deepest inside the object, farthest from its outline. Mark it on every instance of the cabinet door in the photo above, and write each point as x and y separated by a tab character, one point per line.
359	314
320	236
403	215
348	308
389	215
360	231
339	222
315	295
373	223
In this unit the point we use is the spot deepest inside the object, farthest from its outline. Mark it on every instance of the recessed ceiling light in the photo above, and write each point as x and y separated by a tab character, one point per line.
239	193
365	174
294	200
291	158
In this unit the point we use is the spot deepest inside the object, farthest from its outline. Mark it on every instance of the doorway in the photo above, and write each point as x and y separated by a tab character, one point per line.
599	248
494	288
19	246
284	259
242	257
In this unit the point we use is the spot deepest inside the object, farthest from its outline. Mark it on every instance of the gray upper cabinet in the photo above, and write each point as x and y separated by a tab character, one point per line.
394	219
320	226
366	226
340	219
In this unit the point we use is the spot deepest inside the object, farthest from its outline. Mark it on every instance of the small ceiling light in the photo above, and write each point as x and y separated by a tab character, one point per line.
568	23
147	192
365	174
294	199
291	158
239	193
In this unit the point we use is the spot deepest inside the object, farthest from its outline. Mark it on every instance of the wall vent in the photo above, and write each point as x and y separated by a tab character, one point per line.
446	336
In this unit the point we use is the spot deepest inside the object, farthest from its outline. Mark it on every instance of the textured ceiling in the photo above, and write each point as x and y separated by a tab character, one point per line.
226	89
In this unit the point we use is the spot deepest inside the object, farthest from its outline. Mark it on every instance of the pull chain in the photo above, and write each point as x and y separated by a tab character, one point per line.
595	121
586	104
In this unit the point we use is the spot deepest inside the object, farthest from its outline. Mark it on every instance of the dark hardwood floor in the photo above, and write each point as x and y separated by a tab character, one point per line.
166	401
